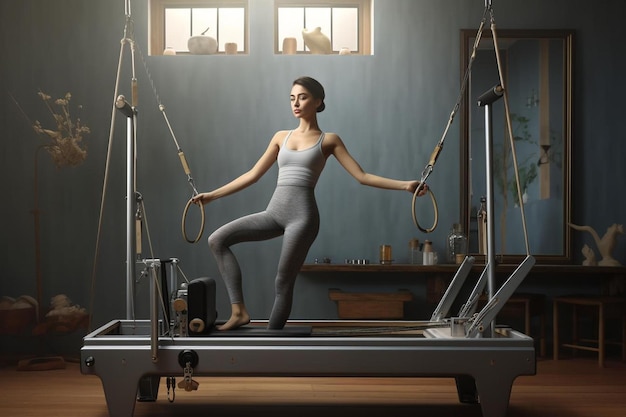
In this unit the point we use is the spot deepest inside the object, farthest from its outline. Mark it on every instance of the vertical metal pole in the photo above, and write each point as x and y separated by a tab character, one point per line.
130	218
154	309
131	191
491	257
486	100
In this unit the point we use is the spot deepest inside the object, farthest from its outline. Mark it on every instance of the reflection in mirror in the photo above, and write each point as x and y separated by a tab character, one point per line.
538	78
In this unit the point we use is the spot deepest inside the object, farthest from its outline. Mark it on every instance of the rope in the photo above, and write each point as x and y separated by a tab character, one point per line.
428	169
104	184
184	221
510	134
182	158
436	209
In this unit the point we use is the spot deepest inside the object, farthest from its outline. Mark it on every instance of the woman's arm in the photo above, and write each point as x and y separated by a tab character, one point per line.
250	177
335	146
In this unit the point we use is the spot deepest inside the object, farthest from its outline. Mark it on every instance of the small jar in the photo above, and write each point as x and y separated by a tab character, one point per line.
385	255
415	255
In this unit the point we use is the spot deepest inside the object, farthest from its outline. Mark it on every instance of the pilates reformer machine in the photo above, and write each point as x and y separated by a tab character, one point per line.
130	356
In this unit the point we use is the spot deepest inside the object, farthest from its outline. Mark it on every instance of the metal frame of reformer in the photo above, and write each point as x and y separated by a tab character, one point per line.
130	356
484	368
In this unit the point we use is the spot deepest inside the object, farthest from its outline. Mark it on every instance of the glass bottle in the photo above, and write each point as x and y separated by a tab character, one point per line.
427	253
457	244
415	255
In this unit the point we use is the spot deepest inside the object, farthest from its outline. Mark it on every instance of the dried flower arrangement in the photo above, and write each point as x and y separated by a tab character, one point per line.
66	142
65	146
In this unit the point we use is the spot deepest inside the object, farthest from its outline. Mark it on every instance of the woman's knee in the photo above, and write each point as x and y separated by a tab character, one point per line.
215	242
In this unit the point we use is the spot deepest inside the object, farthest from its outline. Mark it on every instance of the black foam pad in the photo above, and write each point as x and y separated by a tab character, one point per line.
201	305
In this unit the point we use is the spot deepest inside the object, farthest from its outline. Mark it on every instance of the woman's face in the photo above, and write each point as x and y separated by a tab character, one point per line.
303	104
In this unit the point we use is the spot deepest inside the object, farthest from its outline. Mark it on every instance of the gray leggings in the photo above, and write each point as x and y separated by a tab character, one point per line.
292	212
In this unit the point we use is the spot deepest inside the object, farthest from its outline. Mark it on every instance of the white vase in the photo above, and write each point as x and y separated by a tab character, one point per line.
202	45
316	41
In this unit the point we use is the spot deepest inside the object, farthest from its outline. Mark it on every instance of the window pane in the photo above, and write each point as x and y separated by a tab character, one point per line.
318	17
177	28
291	23
345	28
203	19
172	26
231	27
346	22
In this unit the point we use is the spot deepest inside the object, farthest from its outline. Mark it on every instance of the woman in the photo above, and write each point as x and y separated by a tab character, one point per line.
292	212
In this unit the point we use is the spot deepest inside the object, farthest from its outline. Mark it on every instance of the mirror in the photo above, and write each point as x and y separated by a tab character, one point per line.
537	72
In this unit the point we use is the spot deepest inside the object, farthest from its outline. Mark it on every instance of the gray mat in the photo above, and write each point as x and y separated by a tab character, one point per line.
257	331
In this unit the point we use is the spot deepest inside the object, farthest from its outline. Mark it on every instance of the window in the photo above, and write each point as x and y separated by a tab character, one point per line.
173	22
347	23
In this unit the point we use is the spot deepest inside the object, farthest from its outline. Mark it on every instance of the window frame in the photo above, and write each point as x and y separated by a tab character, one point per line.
364	7
156	28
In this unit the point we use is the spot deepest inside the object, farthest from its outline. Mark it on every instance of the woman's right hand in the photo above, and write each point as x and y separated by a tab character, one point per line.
413	185
203	198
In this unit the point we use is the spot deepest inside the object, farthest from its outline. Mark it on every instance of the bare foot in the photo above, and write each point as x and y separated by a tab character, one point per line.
235	321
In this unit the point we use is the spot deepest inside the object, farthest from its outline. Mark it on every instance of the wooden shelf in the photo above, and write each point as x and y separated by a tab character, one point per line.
609	279
377	268
556	270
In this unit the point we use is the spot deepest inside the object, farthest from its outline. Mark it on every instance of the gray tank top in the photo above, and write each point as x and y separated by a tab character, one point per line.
301	168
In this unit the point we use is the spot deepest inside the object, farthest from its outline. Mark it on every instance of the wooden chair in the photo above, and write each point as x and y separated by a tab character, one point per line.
601	309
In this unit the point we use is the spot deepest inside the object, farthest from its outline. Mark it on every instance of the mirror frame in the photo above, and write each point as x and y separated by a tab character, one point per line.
467	41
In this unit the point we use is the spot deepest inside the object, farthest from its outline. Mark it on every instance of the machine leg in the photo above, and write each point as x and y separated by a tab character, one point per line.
148	390
494	393
120	394
466	388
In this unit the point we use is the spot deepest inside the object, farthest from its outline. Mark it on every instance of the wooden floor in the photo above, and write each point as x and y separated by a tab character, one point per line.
568	387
